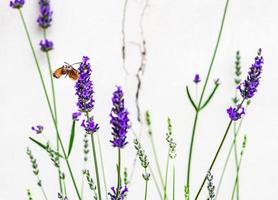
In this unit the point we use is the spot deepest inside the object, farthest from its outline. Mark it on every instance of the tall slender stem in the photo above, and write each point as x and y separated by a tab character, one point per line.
102	167
217	152
156	160
146	186
48	102
155	182
166	178
202	95
236	160
55	109
119	174
96	166
237	173
42	189
174	181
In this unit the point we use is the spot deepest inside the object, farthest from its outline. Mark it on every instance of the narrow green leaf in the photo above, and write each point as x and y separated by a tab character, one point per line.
43	146
210	96
190	98
72	134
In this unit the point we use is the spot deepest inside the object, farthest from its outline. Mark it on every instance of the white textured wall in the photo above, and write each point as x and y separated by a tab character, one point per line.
180	36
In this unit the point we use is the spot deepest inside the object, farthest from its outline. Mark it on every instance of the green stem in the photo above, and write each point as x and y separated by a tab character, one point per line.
236	180
174	181
146	186
42	189
48	103
156	160
65	188
82	185
202	95
119	173
228	156
156	183
102	167
217	152
166	178
96	166
55	109
236	159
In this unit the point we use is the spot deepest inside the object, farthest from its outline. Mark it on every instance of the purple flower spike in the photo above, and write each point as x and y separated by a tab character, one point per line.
249	86
197	79
17	3
235	113
84	87
121	196
75	116
119	119
45	18
38	129
90	126
46	45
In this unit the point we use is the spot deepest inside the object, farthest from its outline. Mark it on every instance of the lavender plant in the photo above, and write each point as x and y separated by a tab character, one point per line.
120	122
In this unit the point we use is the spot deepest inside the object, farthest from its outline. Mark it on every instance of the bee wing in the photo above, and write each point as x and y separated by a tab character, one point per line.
73	74
58	72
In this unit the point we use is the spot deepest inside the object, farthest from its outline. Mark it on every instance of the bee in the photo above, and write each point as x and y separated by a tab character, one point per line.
68	70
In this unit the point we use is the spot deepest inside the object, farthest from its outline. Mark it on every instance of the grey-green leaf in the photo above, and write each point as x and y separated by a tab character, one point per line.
72	134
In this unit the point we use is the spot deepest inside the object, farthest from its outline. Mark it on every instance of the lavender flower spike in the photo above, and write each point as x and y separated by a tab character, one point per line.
235	113
45	18
38	129
84	87
46	45
17	3
121	196
197	79
119	119
249	86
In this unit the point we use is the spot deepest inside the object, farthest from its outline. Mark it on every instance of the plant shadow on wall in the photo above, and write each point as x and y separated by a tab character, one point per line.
121	125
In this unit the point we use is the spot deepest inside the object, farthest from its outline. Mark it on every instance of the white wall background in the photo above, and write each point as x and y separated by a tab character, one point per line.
180	37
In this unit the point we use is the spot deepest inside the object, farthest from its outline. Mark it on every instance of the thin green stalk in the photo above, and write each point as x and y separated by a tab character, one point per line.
228	156
174	181
102	167
82	185
146	186
166	178
42	189
156	160
65	188
236	160
236	180
119	173
155	182
96	166
55	109
202	95
48	102
217	152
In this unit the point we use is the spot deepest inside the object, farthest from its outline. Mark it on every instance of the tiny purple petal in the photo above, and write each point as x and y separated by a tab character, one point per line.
90	126
197	79
236	113
46	45
122	193
17	3
75	116
38	129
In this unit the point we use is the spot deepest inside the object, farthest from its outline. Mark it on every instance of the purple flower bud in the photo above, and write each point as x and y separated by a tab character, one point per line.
119	119
38	129
121	195
197	79
235	113
75	116
46	45
17	3
90	126
249	86
84	87
45	18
